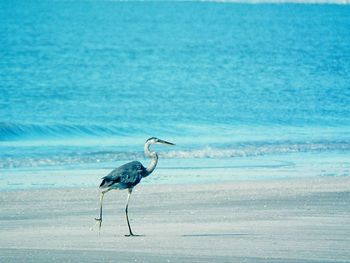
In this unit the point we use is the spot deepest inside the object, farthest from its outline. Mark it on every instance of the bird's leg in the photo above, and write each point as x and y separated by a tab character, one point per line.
99	220
126	213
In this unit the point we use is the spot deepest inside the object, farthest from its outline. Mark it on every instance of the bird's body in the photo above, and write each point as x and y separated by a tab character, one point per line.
128	176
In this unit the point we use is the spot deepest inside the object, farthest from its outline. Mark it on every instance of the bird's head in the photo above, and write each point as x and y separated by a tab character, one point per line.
154	140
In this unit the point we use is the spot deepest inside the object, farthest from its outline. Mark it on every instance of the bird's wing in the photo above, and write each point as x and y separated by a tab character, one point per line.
126	175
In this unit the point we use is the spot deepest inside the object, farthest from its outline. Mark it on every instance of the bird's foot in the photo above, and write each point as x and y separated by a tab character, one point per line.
132	235
98	223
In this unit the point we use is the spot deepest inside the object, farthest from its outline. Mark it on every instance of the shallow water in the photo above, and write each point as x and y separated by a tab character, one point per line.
85	83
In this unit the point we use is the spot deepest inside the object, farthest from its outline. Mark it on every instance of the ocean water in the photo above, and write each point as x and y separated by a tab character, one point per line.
247	92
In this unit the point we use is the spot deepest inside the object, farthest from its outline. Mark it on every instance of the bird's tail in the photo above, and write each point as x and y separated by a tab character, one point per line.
107	182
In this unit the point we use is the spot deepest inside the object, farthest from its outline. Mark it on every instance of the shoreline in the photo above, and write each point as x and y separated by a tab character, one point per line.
300	220
187	172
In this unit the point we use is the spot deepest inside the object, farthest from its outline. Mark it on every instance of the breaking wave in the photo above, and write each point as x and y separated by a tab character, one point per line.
257	149
11	131
251	149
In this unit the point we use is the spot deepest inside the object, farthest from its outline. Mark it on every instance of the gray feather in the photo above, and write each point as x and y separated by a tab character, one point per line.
125	176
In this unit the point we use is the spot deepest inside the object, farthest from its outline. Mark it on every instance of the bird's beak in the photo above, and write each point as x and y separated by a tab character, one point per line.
165	142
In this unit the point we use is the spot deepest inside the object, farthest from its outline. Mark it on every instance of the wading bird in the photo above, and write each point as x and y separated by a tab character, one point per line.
128	176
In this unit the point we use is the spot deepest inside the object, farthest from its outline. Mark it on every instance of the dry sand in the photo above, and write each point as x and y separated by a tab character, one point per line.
305	220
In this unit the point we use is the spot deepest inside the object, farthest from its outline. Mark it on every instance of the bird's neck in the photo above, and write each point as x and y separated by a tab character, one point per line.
152	165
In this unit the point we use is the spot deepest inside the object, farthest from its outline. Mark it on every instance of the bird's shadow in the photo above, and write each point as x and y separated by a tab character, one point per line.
218	235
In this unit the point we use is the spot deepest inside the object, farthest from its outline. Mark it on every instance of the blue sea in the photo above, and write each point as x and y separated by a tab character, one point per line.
246	91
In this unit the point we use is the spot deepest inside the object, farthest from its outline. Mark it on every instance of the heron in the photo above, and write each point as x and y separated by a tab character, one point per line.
127	177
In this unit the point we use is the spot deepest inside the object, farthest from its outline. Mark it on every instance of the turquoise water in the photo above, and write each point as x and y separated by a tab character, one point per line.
84	83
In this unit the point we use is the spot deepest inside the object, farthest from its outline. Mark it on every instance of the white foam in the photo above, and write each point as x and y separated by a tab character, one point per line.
98	158
256	150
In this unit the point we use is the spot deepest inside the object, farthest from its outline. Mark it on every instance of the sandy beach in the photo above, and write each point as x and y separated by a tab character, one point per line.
245	102
305	220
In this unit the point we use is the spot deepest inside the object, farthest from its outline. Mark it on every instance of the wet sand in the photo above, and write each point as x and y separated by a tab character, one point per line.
304	220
